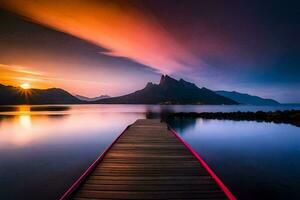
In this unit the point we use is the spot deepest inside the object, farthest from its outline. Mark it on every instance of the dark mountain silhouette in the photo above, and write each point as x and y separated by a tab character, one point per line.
83	98
170	91
14	95
247	99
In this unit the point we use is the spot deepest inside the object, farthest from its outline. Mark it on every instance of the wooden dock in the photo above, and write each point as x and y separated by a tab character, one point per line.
148	161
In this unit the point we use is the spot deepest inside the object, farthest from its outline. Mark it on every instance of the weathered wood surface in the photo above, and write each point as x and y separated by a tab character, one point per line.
149	162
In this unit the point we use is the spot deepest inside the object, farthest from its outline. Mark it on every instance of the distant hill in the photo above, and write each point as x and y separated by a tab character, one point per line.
14	95
247	99
170	91
83	98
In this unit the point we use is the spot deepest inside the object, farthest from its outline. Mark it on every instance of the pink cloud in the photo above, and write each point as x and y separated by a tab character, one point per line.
122	29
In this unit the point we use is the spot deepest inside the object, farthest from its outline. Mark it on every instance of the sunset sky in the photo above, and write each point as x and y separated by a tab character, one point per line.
91	47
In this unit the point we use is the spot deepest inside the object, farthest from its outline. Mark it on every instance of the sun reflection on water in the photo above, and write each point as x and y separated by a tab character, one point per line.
31	125
25	121
24	117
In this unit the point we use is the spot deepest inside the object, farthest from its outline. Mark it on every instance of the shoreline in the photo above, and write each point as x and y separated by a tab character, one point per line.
288	116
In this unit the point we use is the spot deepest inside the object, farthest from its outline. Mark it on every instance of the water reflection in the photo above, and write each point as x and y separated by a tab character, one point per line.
6	109
256	160
23	126
181	124
50	108
24	116
41	144
25	120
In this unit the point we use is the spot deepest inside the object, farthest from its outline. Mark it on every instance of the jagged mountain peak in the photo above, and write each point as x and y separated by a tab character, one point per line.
149	84
167	80
170	91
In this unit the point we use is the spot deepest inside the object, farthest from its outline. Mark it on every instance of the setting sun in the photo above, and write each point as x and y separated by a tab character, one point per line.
25	86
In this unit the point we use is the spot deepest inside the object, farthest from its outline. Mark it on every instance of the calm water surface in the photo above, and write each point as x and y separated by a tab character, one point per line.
44	149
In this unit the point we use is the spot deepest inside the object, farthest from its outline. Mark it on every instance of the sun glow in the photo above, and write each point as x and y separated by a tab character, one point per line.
24	116
25	86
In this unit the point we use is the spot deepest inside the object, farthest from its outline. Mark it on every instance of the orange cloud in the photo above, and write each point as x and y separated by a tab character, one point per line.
122	29
16	75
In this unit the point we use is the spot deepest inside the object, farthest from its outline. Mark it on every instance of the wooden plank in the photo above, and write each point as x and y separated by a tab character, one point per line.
200	194
146	187
148	162
144	180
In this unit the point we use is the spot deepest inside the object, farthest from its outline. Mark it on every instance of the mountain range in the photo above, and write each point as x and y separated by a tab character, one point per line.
170	91
247	99
167	91
15	96
83	98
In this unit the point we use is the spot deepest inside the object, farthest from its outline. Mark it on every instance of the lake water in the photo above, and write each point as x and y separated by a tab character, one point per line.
43	149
